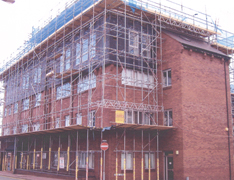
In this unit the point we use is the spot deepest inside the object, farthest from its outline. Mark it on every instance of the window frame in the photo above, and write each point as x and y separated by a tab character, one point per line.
25	104
16	105
127	160
79	118
92	118
135	45
37	99
63	91
152	160
166	82
24	128
85	83
82	159
67	120
166	117
137	117
37	75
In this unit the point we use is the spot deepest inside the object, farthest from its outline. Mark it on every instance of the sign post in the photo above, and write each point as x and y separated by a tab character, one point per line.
104	146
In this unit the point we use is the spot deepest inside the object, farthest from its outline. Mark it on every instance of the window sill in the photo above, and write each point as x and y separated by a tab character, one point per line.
167	87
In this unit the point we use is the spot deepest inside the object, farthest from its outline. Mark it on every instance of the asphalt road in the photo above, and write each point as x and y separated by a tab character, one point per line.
9	178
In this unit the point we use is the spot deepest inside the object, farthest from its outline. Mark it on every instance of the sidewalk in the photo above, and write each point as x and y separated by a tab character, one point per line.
23	176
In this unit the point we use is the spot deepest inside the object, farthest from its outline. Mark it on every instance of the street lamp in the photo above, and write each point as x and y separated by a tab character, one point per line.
9	1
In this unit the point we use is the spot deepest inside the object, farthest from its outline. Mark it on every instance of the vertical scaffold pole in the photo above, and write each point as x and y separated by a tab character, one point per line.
124	154
58	156
157	157
21	158
77	158
101	178
116	161
134	157
27	166
34	153
149	159
142	156
68	151
14	160
49	153
41	165
87	156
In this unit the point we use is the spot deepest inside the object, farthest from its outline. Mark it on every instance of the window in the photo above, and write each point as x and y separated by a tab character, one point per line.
128	161
62	155
63	91
138	117
87	82
133	43
14	130
37	75
145	45
38	99
36	126
26	81
24	128
168	121
92	119
16	107
167	78
55	163
57	123
25	104
6	131
9	110
5	112
85	44
79	119
67	120
82	53
65	61
92	45
78	50
82	160
138	79
152	160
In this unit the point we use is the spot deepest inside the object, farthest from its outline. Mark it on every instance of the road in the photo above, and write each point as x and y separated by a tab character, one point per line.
9	178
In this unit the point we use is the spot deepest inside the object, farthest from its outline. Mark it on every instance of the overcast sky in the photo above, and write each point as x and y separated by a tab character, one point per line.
17	19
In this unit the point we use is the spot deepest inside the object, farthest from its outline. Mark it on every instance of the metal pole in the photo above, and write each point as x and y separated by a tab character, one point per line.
104	165
124	154
142	163
87	156
14	156
77	136
49	154
157	158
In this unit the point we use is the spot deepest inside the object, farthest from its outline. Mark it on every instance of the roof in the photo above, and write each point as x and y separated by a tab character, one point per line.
195	42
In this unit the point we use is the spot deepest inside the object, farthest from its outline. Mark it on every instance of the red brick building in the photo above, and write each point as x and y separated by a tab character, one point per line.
153	85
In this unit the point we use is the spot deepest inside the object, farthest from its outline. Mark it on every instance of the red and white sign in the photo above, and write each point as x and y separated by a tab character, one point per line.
104	146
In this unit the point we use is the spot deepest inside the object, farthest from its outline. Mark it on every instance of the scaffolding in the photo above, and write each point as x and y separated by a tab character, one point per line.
93	58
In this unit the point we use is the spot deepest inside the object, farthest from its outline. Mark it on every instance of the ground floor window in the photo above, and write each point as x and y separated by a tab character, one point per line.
152	160
82	160
128	159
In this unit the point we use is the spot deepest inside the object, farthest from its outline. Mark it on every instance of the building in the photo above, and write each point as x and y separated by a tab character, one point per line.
151	81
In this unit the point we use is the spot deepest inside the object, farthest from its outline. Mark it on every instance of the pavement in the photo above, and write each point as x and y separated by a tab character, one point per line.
8	175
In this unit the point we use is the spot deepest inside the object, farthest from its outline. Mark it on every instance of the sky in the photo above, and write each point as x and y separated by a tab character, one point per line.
17	19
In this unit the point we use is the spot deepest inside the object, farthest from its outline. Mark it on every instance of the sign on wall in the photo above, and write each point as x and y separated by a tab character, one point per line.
119	116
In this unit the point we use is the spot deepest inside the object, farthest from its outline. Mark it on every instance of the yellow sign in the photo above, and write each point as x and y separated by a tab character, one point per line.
119	116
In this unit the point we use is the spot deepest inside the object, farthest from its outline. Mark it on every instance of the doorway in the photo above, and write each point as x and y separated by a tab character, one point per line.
169	171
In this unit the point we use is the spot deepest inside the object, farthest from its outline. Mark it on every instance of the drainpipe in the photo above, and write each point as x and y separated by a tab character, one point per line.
227	106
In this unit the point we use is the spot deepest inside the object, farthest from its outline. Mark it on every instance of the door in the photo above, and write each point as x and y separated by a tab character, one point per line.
169	172
9	161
